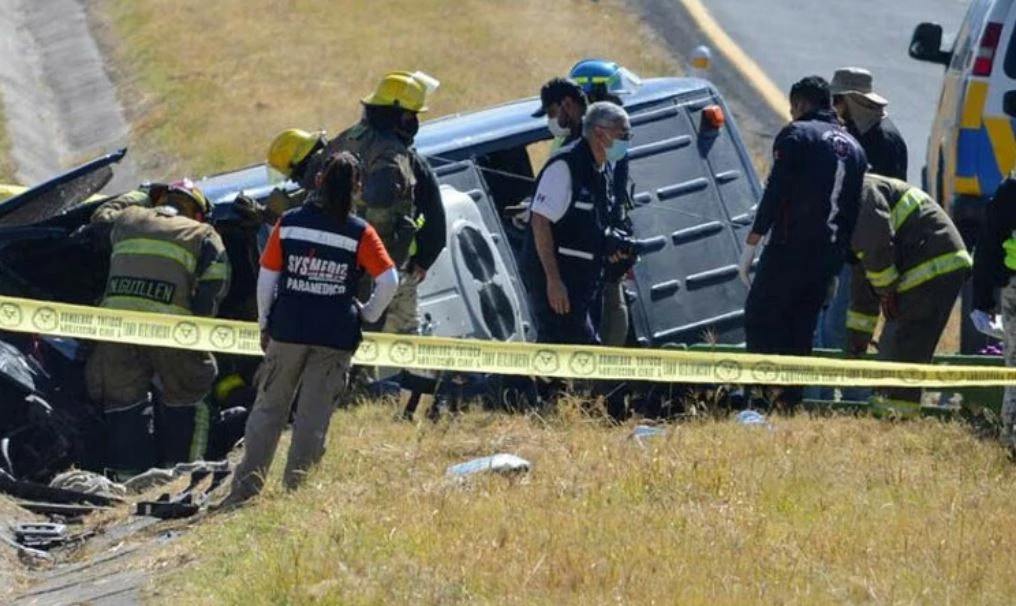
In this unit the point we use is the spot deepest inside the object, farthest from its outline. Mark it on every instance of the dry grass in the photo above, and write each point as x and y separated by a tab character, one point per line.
209	84
815	511
7	167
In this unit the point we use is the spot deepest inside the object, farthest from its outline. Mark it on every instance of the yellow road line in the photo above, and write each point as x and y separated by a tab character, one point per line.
755	75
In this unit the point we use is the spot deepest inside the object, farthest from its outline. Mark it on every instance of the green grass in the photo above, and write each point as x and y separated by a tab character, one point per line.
815	511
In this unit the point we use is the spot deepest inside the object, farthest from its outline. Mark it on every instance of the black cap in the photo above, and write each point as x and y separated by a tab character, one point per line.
555	91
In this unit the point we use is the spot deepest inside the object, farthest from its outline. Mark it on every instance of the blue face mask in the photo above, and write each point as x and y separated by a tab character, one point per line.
617	150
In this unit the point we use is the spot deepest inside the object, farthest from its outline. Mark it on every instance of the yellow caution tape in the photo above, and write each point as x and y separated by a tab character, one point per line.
479	356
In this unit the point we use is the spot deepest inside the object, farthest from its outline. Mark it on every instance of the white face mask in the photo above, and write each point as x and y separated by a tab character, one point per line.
556	129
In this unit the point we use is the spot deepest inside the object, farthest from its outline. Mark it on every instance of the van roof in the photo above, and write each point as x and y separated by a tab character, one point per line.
478	129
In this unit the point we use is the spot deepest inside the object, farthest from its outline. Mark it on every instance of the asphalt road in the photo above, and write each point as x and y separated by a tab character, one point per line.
790	39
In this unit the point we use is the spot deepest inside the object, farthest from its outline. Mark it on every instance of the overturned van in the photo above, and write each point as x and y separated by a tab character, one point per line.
695	191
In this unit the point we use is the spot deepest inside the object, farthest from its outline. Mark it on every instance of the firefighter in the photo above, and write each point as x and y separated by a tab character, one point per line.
382	141
808	211
995	267
311	322
294	153
165	259
912	265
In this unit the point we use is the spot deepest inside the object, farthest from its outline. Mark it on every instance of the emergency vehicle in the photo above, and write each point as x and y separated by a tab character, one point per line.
972	146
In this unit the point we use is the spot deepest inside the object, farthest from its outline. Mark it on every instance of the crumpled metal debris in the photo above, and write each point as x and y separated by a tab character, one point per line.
89	483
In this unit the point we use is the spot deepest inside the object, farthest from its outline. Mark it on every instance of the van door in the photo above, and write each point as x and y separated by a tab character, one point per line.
1000	109
474	288
942	144
695	190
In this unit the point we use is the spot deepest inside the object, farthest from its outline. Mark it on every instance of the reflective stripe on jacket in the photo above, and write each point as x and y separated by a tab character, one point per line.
162	262
314	304
903	239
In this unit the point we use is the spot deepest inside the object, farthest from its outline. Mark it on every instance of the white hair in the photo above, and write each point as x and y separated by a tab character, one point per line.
603	113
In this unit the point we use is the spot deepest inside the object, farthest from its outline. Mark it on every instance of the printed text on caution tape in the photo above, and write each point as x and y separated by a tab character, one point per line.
477	356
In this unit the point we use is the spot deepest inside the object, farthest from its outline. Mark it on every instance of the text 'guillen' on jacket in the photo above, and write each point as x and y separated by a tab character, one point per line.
162	262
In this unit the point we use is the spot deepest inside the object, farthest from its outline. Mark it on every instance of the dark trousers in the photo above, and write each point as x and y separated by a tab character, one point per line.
913	336
783	304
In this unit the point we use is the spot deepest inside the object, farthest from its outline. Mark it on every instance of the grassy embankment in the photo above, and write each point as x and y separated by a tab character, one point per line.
213	94
816	511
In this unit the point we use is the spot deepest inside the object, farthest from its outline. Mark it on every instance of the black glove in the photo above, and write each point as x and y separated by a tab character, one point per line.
624	250
620	242
248	209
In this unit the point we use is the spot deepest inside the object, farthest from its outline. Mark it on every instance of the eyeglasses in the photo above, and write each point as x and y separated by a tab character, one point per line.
622	134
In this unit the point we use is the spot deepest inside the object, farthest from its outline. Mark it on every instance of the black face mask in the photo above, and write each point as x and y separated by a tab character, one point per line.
408	127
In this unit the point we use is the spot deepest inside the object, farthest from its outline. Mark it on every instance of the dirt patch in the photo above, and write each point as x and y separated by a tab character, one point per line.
60	105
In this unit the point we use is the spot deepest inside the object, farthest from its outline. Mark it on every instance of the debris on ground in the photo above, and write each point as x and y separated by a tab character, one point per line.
752	417
88	482
499	463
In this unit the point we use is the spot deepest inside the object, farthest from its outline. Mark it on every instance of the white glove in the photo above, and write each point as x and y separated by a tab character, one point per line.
744	266
987	324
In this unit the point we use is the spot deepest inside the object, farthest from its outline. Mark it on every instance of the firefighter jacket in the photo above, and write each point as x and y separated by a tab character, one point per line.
903	239
810	201
389	184
995	253
430	219
320	259
161	262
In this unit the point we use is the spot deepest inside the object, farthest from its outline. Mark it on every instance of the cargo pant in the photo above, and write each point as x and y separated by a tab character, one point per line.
1009	325
913	336
320	375
120	376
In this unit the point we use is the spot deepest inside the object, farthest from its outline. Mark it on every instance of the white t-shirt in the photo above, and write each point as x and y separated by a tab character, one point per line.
553	193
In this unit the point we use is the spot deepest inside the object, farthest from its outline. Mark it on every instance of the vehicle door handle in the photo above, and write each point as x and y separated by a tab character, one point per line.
1009	103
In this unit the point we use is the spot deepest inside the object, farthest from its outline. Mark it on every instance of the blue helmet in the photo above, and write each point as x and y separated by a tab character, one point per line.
598	77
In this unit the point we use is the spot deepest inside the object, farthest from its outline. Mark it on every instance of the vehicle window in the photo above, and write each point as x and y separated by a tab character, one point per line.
538	154
1010	52
966	38
509	175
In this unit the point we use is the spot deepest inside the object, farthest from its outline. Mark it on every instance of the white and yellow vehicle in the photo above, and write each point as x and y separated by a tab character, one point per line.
972	146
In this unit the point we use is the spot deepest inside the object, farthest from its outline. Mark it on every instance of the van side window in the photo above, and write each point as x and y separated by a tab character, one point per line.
966	38
1010	55
509	175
